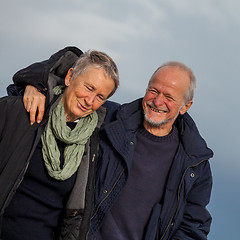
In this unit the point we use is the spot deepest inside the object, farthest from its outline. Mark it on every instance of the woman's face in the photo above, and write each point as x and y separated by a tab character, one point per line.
86	93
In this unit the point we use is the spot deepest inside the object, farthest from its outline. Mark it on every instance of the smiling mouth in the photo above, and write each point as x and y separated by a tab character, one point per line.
157	110
82	107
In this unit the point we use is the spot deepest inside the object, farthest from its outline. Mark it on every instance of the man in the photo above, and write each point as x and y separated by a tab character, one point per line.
153	178
47	169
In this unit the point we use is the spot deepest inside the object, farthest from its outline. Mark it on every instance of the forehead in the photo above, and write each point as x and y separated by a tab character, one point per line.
93	75
170	77
97	79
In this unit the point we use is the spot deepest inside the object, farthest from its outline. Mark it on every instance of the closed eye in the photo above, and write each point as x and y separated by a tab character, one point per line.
100	98
169	97
152	90
89	88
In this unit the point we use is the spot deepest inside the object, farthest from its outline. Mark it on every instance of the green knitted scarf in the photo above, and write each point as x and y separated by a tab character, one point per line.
75	142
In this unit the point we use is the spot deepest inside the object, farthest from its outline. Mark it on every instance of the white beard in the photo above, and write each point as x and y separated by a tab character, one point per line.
158	124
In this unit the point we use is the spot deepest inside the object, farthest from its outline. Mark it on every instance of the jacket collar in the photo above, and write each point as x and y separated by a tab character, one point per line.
193	144
130	117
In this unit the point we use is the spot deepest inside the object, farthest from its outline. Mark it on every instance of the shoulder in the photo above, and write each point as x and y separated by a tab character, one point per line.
111	106
12	106
193	142
13	112
112	109
13	101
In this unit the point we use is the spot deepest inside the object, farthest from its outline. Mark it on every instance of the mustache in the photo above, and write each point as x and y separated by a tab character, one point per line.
151	104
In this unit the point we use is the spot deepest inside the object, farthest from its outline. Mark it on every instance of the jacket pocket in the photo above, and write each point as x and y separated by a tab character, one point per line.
71	224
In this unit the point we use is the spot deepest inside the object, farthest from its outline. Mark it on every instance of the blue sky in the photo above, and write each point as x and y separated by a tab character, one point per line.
140	35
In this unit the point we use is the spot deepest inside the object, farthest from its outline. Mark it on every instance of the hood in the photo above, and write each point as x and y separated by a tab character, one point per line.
131	115
193	143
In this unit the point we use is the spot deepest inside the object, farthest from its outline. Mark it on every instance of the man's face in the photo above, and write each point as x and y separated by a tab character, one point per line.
164	99
86	93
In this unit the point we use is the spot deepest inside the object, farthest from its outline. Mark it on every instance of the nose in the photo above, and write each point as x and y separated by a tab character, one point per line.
159	100
89	99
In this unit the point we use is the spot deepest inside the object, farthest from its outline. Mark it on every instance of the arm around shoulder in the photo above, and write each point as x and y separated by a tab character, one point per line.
37	73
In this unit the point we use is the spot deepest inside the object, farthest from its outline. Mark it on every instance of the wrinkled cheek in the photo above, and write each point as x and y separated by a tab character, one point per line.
146	110
96	106
144	105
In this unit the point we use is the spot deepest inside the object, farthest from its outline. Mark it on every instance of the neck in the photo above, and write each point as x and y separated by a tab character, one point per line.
70	118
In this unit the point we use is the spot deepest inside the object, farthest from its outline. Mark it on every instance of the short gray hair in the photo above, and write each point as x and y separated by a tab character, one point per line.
97	59
192	86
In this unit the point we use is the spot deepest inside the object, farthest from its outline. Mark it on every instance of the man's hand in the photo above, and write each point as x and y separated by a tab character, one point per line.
34	100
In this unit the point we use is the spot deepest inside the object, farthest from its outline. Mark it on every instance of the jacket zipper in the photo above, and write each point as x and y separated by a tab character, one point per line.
93	159
105	198
178	199
15	186
20	177
108	193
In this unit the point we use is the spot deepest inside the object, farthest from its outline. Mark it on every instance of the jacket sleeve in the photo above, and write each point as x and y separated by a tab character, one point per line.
37	74
196	220
3	109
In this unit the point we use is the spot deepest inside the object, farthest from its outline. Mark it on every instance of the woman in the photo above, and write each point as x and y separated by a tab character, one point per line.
47	169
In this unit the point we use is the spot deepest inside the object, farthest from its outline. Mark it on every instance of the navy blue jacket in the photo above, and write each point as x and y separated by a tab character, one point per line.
183	214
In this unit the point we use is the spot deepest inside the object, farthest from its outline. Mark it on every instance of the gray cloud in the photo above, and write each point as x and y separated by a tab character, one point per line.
140	35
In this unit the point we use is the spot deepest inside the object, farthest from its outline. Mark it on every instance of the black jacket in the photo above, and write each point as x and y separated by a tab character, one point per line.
18	140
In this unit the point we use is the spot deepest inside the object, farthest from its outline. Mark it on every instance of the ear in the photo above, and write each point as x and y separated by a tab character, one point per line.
68	77
185	108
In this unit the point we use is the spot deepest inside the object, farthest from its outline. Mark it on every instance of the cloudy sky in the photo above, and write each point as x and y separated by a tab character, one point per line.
140	35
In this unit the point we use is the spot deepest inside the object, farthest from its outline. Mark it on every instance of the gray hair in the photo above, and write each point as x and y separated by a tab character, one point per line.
97	59
192	86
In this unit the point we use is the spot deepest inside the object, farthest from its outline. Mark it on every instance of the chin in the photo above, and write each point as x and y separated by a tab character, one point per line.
154	123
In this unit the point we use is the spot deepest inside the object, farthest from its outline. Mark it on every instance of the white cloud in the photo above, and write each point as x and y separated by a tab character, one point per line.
56	24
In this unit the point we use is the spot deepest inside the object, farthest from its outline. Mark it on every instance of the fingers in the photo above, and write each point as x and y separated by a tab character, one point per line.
41	108
34	101
33	111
